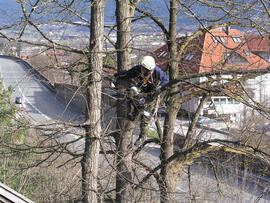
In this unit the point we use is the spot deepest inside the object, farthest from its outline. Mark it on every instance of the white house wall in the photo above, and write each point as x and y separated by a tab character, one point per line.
224	106
220	104
261	88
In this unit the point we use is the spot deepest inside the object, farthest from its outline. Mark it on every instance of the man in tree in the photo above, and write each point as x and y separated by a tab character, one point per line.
145	78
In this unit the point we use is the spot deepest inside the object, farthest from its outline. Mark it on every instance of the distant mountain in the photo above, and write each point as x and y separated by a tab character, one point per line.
9	11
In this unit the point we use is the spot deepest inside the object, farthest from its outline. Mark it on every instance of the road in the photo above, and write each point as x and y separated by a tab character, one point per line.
43	105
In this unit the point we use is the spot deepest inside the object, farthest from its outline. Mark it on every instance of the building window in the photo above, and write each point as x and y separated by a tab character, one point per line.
161	53
215	39
216	101
222	100
235	58
165	54
236	39
247	52
189	57
209	101
230	101
222	40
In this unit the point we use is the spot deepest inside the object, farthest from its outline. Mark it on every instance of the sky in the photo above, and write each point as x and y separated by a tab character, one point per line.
157	7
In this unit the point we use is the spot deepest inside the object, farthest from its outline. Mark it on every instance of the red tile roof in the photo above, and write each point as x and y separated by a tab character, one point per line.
258	43
215	50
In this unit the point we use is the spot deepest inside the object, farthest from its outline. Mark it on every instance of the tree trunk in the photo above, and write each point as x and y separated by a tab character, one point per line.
90	158
124	193
124	137
168	181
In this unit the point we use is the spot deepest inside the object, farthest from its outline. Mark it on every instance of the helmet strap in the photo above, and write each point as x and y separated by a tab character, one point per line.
147	78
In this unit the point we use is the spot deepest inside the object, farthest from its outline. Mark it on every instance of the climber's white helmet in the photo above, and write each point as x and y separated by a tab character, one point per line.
148	62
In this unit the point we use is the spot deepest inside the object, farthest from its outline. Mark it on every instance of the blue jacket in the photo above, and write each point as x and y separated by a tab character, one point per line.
157	79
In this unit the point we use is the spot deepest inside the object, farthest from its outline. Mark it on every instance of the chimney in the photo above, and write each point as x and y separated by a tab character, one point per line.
227	29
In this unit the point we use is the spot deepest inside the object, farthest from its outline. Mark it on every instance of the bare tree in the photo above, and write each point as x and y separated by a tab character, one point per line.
124	13
93	130
93	60
168	174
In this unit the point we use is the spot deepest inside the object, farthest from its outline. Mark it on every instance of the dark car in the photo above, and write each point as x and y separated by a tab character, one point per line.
18	100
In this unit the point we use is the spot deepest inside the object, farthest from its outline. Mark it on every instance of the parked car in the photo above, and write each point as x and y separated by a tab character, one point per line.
18	100
205	120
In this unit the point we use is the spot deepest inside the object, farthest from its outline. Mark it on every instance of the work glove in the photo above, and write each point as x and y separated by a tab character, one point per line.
134	90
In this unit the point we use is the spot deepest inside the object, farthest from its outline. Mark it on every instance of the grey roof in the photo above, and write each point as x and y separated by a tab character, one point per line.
8	195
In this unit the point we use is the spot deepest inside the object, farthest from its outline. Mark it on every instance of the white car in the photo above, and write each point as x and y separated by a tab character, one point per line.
206	121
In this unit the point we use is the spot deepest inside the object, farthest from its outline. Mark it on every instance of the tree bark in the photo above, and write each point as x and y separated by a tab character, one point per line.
168	181
124	137
124	192
90	158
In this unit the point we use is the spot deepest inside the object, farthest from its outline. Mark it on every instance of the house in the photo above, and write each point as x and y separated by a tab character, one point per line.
214	50
259	45
9	195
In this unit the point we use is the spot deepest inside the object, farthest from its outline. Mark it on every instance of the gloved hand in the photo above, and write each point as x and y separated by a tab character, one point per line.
134	90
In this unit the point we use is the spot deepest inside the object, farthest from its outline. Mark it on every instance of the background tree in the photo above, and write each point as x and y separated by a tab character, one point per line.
13	133
233	16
